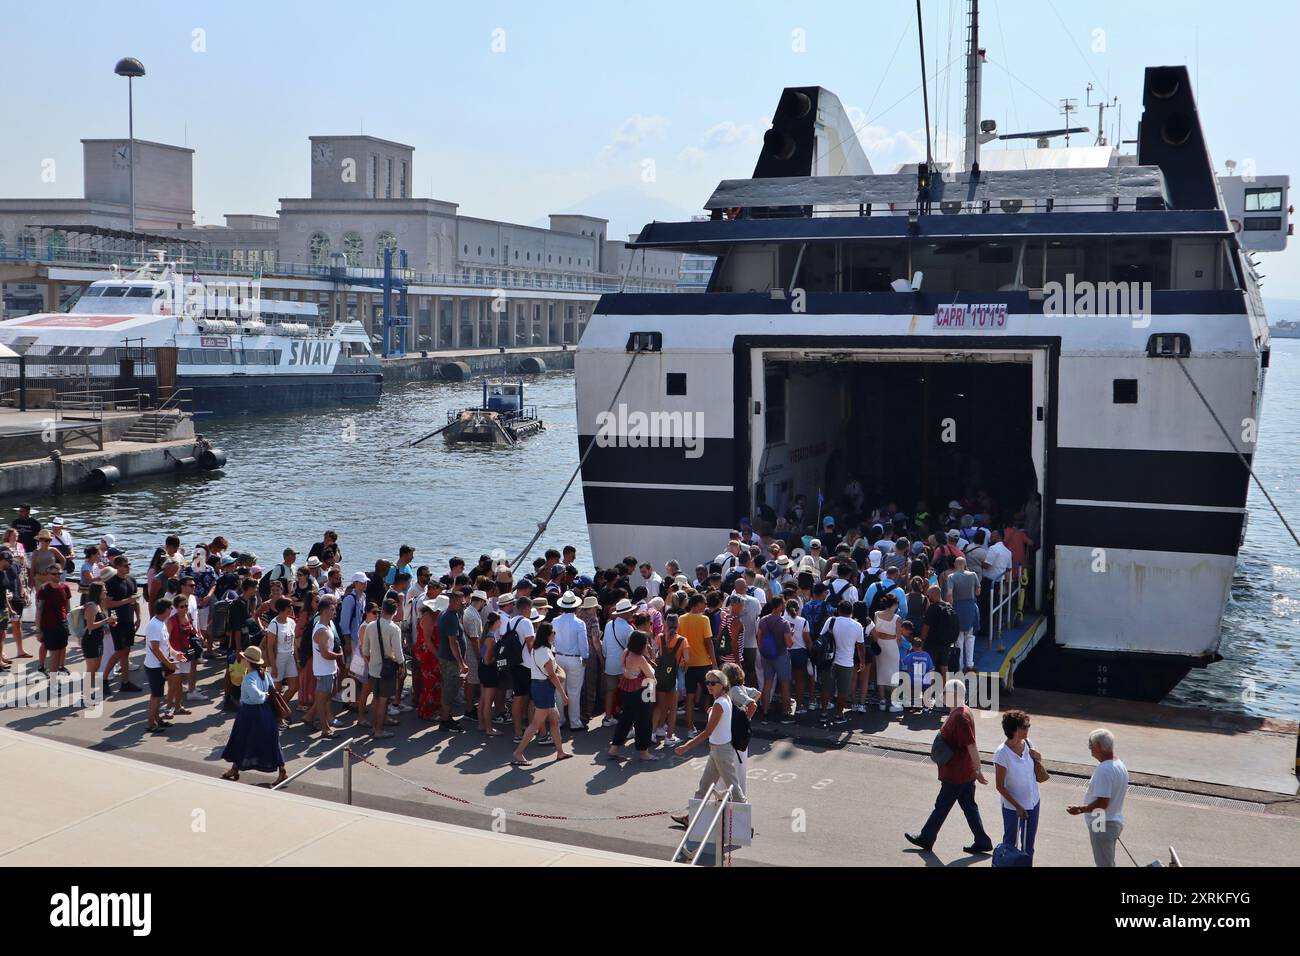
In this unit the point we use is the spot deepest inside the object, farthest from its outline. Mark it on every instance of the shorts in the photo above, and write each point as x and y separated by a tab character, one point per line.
681	681
843	680
609	683
799	661
92	646
780	665
55	638
522	679
695	678
471	675
543	693
489	675
156	681
325	685
285	665
124	640
385	687
450	681
182	666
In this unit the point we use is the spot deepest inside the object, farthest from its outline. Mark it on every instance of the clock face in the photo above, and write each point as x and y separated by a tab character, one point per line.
322	154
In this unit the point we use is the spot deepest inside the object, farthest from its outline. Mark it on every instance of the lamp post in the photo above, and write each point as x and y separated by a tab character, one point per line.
130	67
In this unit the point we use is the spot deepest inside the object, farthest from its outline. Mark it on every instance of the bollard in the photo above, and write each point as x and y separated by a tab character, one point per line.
347	777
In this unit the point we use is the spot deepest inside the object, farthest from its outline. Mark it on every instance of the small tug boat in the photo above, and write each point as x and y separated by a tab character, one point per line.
503	418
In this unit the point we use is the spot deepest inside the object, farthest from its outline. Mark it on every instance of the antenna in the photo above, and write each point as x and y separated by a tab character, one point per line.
1068	106
1102	106
923	175
974	68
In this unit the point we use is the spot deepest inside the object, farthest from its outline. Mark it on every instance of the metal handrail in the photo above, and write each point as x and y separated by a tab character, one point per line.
723	804
690	823
999	614
347	769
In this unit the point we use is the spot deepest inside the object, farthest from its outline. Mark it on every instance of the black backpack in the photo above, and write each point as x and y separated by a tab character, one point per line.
837	596
511	646
740	729
878	598
823	649
943	558
946	628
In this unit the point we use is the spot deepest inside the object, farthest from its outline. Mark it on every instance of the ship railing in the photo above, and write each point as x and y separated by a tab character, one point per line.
723	800
89	404
1002	601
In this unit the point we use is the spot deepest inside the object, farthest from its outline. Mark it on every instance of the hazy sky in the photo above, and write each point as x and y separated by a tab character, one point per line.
521	109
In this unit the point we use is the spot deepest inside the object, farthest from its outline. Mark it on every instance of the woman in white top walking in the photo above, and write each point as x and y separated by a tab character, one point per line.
724	764
1016	765
885	635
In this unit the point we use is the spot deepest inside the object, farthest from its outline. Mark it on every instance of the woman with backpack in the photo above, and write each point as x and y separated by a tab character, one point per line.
635	679
774	642
669	670
722	771
744	700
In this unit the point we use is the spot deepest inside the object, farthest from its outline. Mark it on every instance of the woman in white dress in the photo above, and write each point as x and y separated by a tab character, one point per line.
886	636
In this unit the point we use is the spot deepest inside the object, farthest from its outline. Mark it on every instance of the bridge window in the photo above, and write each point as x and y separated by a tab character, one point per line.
1263	199
115	292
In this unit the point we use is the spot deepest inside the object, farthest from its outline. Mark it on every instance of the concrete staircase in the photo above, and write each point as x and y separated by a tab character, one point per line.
153	426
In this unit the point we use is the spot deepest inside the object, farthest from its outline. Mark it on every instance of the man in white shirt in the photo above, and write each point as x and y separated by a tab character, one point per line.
1104	809
572	647
841	588
614	638
850	647
651	581
997	561
471	622
60	538
383	640
158	657
729	560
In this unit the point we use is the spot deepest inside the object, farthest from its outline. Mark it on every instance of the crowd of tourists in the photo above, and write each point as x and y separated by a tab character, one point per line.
777	627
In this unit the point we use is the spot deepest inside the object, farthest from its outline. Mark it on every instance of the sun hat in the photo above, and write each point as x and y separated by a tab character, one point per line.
508	598
252	654
438	604
477	596
44	535
682	581
312	562
624	607
56	523
569	601
590	602
105	574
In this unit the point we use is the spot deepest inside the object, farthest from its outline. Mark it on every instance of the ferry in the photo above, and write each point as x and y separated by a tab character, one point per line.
229	351
937	331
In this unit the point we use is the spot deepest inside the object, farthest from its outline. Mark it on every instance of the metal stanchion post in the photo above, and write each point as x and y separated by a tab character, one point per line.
347	777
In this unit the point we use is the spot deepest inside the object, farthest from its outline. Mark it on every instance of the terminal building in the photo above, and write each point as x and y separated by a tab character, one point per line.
360	205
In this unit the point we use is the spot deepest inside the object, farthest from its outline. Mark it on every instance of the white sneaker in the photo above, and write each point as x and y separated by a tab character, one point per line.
194	697
882	704
657	736
393	710
339	722
405	708
672	741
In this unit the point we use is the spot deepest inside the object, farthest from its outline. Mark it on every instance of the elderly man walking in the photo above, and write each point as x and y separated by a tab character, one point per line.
1104	809
957	776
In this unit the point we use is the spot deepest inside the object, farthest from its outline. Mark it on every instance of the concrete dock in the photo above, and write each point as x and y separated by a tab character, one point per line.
42	453
1220	791
430	366
68	806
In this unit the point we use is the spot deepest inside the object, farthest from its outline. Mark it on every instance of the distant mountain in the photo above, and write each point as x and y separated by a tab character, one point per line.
628	209
1279	309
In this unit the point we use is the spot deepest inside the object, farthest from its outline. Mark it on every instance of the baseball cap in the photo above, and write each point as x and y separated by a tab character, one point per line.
359	576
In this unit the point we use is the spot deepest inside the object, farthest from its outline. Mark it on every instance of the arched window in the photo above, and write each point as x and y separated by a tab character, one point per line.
386	240
318	249
353	247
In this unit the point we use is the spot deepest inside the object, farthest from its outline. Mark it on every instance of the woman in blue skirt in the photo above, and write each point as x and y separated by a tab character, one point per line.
255	739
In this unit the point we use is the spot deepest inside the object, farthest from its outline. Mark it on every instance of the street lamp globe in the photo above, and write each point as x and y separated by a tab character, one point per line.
129	66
